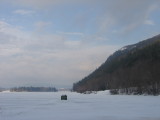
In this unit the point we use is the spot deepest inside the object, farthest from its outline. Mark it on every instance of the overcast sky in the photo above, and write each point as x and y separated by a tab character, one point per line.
59	42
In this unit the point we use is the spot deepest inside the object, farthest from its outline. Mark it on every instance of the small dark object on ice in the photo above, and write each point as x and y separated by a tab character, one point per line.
64	97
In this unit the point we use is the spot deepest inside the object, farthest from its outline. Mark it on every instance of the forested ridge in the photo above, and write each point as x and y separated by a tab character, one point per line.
135	69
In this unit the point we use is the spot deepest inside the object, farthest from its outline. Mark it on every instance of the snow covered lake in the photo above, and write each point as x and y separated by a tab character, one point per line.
101	106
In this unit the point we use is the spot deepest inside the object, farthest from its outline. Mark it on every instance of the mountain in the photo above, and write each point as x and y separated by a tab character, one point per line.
134	69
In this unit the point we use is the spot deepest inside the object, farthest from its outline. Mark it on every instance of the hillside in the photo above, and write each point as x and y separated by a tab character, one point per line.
132	69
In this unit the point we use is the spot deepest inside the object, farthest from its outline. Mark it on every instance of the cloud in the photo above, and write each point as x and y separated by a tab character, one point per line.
11	39
128	15
149	22
71	33
41	26
105	23
23	12
72	43
46	59
42	56
44	3
11	30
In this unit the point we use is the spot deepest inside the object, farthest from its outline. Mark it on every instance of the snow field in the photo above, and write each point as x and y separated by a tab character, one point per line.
100	106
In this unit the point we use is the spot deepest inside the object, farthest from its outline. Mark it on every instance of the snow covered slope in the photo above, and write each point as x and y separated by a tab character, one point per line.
100	106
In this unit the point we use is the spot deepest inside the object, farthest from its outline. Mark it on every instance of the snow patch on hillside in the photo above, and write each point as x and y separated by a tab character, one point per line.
123	48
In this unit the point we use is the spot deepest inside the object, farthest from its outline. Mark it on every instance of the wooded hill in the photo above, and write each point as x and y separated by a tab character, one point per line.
134	69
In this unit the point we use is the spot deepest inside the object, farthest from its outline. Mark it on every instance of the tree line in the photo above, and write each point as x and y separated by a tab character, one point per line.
33	89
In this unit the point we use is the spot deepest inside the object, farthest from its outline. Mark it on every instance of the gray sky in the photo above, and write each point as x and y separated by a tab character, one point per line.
58	42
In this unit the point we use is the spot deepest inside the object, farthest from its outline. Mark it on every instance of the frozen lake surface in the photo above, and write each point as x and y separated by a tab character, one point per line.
101	106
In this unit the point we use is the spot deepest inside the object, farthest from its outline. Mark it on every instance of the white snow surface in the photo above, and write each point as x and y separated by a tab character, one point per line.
100	106
123	48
